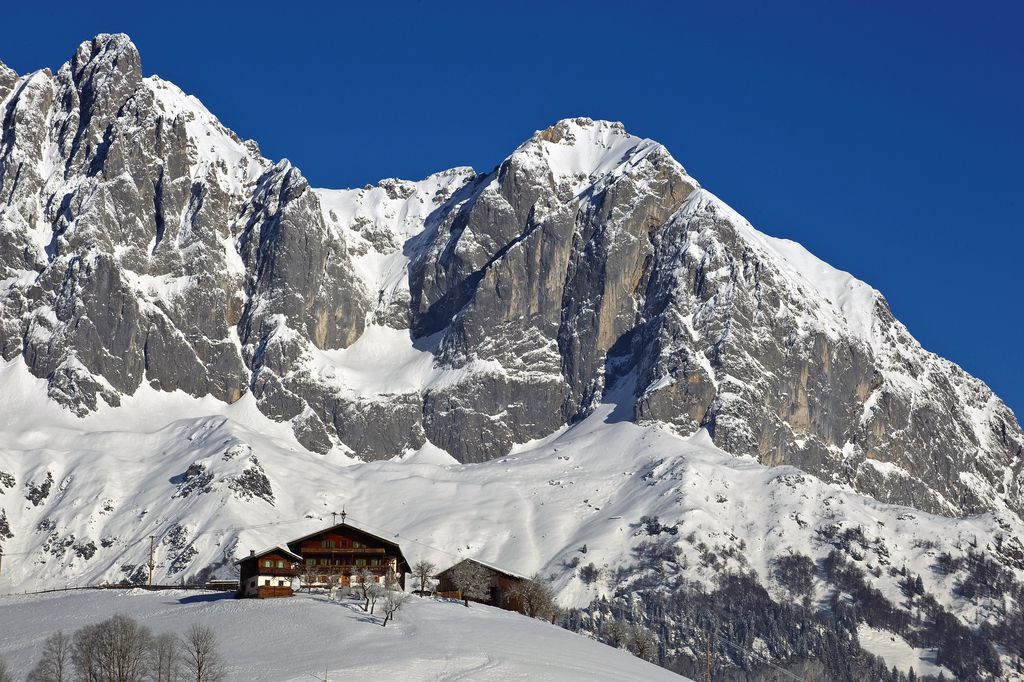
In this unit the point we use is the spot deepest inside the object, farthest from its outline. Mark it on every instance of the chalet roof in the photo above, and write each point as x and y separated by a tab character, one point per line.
490	567
341	527
270	550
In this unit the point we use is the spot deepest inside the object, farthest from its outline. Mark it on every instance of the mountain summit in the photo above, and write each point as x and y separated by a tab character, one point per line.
222	331
145	242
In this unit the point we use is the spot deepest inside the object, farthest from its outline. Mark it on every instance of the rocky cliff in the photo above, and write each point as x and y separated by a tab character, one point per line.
142	241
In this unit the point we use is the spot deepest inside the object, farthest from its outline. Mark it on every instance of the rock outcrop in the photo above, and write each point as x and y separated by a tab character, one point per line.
140	240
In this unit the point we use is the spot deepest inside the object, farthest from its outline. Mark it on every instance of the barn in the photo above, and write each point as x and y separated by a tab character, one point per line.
505	585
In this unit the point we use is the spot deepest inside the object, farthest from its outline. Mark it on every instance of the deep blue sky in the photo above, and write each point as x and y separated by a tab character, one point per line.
888	140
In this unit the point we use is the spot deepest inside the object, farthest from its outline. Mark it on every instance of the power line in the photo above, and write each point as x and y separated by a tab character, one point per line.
406	539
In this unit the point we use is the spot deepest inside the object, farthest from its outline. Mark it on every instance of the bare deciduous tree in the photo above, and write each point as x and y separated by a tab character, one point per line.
423	574
308	576
200	655
361	582
374	591
85	653
615	633
338	591
643	643
165	664
533	597
392	601
472	581
114	650
55	663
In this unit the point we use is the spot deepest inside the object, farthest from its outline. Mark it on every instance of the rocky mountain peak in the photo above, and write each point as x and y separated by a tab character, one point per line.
578	152
587	298
107	52
143	241
8	79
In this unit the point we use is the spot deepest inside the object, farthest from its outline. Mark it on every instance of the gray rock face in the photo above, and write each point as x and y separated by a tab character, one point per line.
8	79
577	282
143	240
737	343
140	240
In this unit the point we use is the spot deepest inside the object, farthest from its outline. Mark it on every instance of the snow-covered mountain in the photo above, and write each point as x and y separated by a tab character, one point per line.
513	365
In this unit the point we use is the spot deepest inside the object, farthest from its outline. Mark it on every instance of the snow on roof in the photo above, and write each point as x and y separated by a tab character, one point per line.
492	567
349	526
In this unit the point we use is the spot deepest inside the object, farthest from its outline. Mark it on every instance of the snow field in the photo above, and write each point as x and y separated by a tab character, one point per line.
277	640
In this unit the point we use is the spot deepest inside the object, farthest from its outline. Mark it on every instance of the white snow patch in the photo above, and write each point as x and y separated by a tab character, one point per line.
294	638
895	651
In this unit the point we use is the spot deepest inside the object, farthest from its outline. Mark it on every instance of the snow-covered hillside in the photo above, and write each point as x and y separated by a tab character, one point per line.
212	481
278	640
197	346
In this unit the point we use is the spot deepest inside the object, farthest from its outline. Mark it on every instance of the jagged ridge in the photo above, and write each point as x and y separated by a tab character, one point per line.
143	241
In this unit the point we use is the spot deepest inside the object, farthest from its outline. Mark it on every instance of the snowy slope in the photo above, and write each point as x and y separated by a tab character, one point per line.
241	320
896	652
844	305
290	639
379	220
171	466
215	148
183	469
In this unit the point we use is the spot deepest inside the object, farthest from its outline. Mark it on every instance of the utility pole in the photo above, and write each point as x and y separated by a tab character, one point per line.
1	559
152	564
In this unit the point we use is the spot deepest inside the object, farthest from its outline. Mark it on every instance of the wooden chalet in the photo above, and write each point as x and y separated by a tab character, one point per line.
504	586
332	555
268	573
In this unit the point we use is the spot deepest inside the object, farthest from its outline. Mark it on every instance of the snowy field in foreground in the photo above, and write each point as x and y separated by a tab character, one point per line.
288	639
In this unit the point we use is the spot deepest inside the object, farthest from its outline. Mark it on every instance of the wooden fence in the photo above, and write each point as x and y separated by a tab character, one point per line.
124	586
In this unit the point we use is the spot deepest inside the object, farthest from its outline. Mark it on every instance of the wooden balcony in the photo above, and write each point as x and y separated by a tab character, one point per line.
318	551
342	569
273	570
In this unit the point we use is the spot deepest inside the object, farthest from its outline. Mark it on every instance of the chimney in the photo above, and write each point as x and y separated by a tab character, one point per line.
252	552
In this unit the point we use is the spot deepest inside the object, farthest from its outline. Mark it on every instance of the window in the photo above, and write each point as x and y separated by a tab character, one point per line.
280	583
360	562
323	562
375	562
267	563
267	582
280	564
327	544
